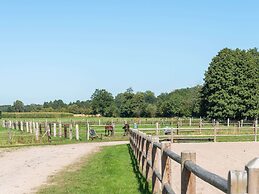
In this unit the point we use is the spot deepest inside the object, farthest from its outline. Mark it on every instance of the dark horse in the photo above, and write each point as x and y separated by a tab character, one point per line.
108	129
126	128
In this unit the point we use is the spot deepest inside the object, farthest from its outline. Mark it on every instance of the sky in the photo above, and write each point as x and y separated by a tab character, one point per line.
63	49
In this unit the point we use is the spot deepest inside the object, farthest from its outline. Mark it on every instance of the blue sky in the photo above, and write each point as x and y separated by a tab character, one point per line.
63	49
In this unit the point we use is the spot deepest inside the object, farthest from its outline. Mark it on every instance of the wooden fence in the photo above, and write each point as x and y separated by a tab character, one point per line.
205	133
39	130
155	162
42	129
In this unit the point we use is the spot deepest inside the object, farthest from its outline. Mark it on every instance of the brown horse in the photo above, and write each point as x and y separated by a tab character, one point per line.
108	130
126	129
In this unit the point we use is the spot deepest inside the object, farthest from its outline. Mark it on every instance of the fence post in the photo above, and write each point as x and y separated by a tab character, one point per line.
77	132
137	145
156	164
21	123
87	131
55	130
27	127
149	158
50	128
65	131
188	179
139	140
190	122
9	136
255	130
60	129
141	152
228	122
252	169
237	182
37	132
70	131
40	128
166	166
144	155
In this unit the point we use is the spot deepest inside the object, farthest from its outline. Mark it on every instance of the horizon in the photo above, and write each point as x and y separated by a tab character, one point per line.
65	50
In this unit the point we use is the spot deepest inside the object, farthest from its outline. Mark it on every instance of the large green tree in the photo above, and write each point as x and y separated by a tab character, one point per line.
103	103
231	85
18	106
181	102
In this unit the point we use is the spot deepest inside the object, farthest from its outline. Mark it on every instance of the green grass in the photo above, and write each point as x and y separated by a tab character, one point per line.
19	138
113	170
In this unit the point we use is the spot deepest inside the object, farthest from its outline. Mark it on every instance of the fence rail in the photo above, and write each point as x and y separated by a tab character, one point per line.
155	162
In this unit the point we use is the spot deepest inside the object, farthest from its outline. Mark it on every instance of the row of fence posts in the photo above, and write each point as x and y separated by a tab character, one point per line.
216	127
36	128
179	122
157	167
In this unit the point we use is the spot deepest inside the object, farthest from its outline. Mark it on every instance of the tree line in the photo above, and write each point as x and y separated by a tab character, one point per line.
230	90
181	102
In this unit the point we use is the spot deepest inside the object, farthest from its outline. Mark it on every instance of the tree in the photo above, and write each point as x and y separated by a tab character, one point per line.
231	85
180	102
18	106
103	103
123	103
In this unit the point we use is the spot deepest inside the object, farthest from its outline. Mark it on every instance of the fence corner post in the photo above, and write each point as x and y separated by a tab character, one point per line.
188	179
237	182
252	169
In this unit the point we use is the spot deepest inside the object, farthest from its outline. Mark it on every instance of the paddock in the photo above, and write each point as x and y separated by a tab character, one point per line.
217	158
172	168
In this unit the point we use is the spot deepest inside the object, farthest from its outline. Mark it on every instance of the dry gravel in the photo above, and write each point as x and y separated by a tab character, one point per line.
23	170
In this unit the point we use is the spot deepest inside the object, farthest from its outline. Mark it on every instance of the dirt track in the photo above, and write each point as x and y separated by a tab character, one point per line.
25	169
218	158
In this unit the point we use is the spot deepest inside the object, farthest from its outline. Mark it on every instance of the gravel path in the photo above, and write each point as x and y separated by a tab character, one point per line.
25	169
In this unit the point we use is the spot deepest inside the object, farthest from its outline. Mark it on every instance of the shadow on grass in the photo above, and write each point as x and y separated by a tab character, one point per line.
143	184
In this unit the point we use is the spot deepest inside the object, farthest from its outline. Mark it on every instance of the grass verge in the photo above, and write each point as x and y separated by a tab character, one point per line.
113	170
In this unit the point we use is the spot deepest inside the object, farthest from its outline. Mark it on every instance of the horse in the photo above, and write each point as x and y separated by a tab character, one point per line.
126	128
108	129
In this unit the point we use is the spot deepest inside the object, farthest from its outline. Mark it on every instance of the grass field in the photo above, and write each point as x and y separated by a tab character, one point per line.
113	170
16	137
